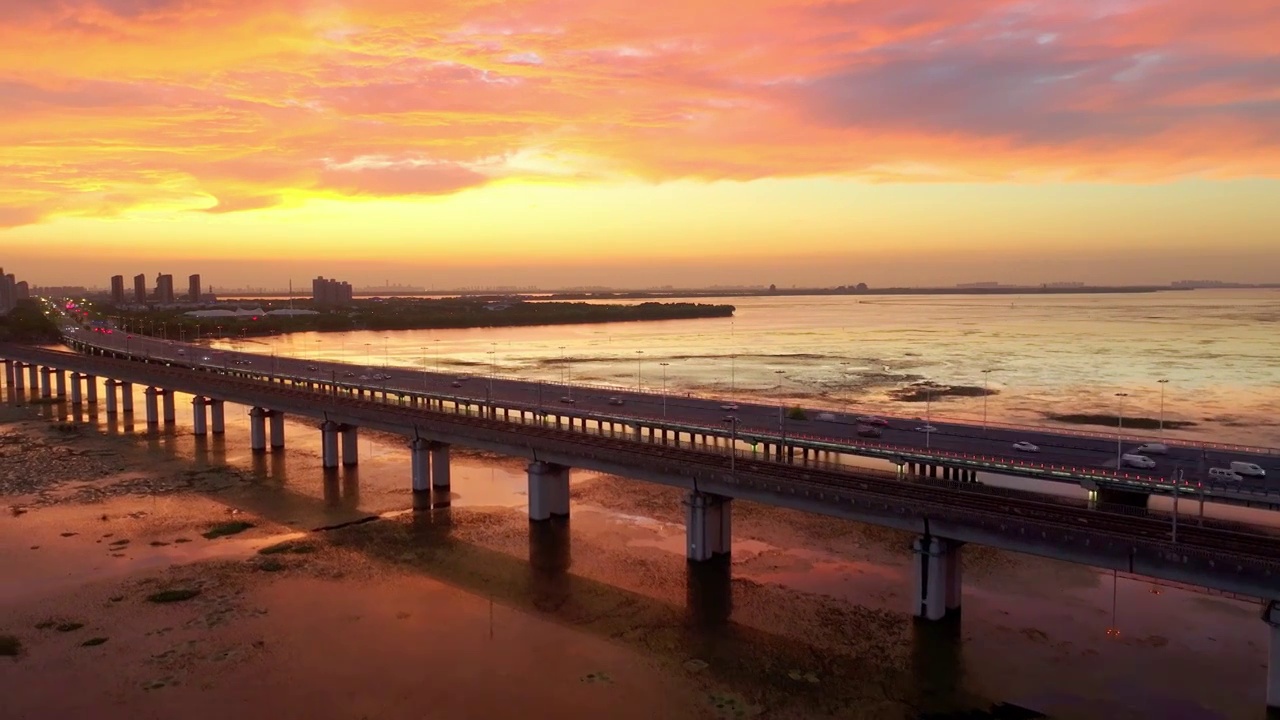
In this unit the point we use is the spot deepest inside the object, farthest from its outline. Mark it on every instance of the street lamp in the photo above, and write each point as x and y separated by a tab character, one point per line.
733	440
562	361
639	356
664	389
491	354
1163	382
1120	429
424	368
782	429
986	374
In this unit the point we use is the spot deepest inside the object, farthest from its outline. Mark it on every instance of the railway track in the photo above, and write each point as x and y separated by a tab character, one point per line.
868	484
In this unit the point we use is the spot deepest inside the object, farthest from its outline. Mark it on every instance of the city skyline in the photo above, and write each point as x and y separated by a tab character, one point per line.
585	143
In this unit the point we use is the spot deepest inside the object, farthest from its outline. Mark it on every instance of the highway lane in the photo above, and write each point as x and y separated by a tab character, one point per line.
1055	448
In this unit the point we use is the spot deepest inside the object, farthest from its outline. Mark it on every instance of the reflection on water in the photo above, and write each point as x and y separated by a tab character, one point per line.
550	557
709	600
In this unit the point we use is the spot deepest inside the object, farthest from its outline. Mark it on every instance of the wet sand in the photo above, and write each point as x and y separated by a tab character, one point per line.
471	611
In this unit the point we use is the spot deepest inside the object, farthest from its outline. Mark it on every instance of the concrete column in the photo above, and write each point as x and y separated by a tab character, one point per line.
548	490
258	430
420	465
166	402
218	415
708	526
8	373
1271	614
126	397
328	444
77	397
60	383
936	577
46	391
152	404
277	429
350	445
110	387
18	382
199	418
440	466
91	387
33	374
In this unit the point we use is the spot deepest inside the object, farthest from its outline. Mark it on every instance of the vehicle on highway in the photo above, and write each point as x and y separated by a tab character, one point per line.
1152	449
615	401
456	383
1225	474
1247	469
873	420
1137	461
868	431
926	429
348	374
312	368
567	400
729	406
1025	446
206	358
363	377
827	417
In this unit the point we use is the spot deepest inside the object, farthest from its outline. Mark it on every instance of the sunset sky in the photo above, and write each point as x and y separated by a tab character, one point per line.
687	142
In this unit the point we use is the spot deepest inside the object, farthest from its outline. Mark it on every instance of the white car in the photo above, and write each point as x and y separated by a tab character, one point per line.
567	400
729	407
926	429
1226	474
1137	461
1025	447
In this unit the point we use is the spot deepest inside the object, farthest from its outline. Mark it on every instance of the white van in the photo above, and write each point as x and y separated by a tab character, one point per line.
1152	449
827	417
1225	474
1248	469
1137	461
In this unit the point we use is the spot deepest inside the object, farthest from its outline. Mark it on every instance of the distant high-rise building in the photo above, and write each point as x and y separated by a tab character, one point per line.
117	289
22	291
330	292
140	289
164	289
8	292
193	288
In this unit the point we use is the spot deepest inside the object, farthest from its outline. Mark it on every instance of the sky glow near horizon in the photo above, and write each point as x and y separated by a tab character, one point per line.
601	142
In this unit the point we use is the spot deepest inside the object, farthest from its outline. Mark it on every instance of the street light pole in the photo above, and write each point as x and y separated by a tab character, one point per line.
1120	429
782	428
664	389
928	415
1163	382
986	374
639	356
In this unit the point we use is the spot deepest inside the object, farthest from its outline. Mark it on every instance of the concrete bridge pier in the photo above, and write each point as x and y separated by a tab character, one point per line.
126	397
936	577
91	388
328	442
1271	614
439	466
152	403
77	397
350	445
258	430
218	416
167	405
33	375
46	391
277	429
60	383
16	381
708	526
420	467
8	373
199	418
110	387
548	490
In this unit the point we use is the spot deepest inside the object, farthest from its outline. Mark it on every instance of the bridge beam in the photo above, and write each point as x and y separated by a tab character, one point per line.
420	466
258	431
350	445
1112	496
1271	614
936	577
152	403
217	416
168	411
439	466
199	418
548	490
708	526
277	429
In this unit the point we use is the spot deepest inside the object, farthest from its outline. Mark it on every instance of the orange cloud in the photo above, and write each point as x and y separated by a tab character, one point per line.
225	106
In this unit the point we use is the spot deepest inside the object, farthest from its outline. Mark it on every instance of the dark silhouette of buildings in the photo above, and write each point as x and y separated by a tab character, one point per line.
193	288
140	289
330	292
117	289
